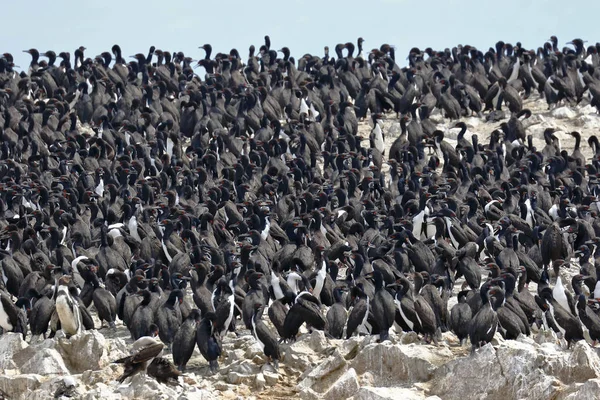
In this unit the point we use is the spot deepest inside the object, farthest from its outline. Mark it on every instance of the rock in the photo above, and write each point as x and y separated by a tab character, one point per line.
30	351
193	393
143	387
260	382
410	337
244	367
590	121
10	344
116	348
17	387
297	362
58	387
45	362
349	348
563	113
222	386
366	379
398	365
589	390
317	341
479	376
84	351
579	365
102	392
271	378
346	386
251	351
236	378
377	393
473	122
588	109
321	378
521	366
545	336
300	356
497	339
241	342
110	373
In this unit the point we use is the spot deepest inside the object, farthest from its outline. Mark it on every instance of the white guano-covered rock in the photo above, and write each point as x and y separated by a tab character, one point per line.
578	365
320	379
563	113
19	386
478	375
345	387
399	365
10	344
85	351
45	362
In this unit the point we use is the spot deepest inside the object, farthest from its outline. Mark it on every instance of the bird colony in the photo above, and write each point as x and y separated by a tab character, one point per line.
367	210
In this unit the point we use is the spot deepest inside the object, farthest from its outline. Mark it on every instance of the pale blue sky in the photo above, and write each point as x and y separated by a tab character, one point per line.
305	26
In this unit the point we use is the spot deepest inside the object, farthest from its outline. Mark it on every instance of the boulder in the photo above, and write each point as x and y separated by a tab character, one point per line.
521	366
252	351
236	378
349	347
299	355
19	386
143	387
578	365
58	387
85	351
22	357
479	376
10	344
260	382
45	362
320	379
588	390
116	348
271	378
563	113
377	393
317	341
399	365
346	386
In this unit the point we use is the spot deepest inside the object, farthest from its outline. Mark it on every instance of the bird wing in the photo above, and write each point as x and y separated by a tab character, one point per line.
147	353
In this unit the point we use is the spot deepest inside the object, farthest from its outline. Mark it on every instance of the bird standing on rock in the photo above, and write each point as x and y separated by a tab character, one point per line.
209	341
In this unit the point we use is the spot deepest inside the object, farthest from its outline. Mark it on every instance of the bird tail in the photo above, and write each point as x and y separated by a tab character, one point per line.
122	360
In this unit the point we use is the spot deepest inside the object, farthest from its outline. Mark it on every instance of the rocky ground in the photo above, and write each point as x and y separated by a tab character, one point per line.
536	367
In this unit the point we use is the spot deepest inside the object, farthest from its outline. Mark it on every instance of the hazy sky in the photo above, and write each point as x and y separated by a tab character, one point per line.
305	26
